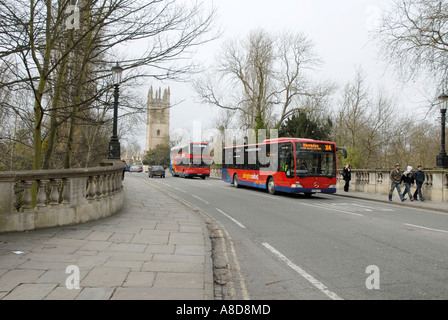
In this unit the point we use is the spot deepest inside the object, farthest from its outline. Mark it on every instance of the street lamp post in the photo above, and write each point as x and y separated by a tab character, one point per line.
442	158
114	144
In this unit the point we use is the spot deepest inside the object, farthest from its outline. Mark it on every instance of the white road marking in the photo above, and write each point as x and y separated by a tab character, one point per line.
168	185
206	202
366	208
269	197
234	220
426	228
369	208
303	273
180	190
208	184
328	208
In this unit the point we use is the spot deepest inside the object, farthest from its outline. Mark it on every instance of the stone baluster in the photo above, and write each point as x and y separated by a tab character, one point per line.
104	186
429	180
108	185
114	183
120	182
54	194
65	192
41	193
27	198
91	188
98	188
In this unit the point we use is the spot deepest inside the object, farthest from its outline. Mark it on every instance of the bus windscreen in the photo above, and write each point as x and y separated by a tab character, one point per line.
315	159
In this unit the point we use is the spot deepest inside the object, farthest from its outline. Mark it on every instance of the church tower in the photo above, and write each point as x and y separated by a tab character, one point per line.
158	118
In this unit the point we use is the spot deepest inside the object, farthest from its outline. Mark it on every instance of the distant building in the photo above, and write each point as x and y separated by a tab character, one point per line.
158	118
131	157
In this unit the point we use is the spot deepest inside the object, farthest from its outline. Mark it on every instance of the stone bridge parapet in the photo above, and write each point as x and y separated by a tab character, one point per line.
377	181
62	197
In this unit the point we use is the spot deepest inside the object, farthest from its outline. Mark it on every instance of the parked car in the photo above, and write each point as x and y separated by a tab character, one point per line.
136	168
157	171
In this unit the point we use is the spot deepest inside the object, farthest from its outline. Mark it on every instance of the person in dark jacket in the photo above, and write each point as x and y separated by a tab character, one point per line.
347	175
395	178
408	179
419	177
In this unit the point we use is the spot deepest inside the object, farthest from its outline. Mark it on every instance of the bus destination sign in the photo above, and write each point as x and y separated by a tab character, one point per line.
314	146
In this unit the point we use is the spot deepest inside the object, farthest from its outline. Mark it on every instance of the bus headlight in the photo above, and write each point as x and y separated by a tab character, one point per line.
296	186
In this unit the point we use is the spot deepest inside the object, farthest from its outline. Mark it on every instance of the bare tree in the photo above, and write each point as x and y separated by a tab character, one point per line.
263	78
413	37
363	123
61	65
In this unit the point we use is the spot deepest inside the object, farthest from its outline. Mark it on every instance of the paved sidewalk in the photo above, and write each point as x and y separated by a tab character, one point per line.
427	204
156	248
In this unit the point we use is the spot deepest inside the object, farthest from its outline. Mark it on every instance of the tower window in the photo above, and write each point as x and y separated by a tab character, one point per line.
158	132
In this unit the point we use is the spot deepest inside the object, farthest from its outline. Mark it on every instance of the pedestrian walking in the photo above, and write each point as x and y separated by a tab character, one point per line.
347	175
419	177
124	169
408	179
395	178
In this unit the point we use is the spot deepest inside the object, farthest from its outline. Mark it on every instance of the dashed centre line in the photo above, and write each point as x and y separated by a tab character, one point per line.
206	202
319	285
231	218
426	228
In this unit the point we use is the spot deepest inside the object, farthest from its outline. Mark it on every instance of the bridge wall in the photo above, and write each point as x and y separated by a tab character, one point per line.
378	182
64	197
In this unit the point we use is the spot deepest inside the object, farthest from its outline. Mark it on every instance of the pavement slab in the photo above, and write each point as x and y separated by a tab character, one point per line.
155	249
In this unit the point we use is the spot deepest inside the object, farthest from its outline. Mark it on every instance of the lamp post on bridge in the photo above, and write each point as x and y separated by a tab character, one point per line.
114	144
442	158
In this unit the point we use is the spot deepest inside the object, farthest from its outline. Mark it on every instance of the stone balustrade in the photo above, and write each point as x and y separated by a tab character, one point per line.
63	197
378	182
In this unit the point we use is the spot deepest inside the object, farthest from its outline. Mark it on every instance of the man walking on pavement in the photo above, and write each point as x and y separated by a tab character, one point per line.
408	179
395	178
419	177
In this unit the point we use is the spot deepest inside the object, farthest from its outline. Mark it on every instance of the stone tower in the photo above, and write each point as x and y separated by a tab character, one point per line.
158	118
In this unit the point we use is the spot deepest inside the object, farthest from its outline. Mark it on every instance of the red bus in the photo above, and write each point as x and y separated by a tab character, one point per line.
292	165
190	160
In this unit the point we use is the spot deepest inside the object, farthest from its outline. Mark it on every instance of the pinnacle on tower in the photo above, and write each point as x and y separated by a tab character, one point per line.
150	93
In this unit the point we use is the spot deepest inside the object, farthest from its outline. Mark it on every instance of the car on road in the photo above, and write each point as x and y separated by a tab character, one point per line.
156	171
136	168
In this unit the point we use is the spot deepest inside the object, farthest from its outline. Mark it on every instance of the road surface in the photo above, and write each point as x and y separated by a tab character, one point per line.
321	247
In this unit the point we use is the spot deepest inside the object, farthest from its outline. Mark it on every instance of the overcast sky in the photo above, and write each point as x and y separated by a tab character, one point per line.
339	29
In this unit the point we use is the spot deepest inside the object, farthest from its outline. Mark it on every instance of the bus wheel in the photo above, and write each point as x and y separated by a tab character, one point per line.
271	186
235	181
